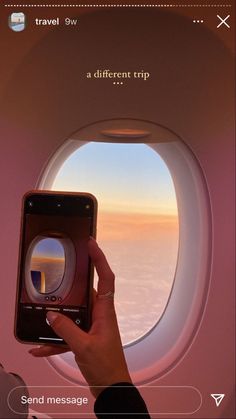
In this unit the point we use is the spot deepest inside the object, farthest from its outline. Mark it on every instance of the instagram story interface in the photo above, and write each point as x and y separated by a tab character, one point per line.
132	102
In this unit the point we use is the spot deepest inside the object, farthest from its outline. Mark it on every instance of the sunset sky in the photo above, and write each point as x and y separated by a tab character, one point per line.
137	225
130	178
48	248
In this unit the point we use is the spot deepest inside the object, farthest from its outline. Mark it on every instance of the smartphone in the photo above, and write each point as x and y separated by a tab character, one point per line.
54	271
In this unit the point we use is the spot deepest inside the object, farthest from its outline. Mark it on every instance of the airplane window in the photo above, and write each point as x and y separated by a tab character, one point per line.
47	265
138	225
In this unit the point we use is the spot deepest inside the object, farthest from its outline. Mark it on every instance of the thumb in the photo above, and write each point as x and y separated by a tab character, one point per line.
67	330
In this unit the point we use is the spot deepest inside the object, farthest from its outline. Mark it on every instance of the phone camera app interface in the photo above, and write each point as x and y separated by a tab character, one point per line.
55	267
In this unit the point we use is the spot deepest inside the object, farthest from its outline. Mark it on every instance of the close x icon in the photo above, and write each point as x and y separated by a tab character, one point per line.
223	21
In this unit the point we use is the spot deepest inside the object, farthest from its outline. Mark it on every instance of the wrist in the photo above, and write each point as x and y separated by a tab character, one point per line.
114	380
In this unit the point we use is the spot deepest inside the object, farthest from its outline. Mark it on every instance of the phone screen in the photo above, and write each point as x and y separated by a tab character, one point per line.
54	270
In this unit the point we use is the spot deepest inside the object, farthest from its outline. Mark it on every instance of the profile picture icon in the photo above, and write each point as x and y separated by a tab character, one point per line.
16	22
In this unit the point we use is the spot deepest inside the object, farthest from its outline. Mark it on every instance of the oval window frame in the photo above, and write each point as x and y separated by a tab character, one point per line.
65	286
168	341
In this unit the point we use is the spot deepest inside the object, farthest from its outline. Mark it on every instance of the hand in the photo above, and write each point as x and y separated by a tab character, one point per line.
98	353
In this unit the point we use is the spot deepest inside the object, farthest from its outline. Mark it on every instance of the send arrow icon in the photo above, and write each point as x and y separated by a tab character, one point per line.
218	398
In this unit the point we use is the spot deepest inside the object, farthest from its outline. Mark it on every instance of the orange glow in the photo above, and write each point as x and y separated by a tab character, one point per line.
119	226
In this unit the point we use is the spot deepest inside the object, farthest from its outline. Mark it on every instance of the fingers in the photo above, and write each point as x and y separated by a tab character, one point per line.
65	328
47	350
104	317
105	274
103	310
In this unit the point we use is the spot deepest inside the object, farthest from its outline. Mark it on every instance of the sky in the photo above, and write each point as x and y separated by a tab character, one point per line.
130	178
137	225
49	248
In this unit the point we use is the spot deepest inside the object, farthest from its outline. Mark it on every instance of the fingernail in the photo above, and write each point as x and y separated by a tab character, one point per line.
32	353
33	349
51	317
